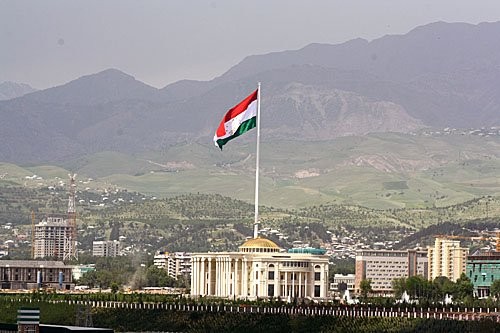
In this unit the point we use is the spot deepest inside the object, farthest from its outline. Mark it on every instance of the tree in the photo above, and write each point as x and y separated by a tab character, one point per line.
114	287
365	287
399	286
495	289
464	288
418	287
157	277
89	279
443	286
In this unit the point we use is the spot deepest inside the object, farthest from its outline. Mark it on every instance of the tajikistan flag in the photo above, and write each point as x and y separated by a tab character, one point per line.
238	120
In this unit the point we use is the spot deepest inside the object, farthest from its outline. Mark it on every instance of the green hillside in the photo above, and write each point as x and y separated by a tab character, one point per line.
378	171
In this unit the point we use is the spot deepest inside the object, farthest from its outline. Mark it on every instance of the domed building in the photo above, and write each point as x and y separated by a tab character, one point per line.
260	269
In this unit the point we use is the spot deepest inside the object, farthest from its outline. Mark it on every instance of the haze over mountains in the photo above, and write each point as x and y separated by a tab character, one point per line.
438	75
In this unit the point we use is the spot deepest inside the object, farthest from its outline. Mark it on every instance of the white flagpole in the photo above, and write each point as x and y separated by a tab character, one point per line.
257	153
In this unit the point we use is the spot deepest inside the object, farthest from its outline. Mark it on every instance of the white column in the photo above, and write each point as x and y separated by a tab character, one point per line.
276	280
245	278
256	283
193	276
203	279
230	279
323	289
228	276
306	292
210	291
224	281
217	276
224	277
233	270
237	282
197	276
300	287
286	284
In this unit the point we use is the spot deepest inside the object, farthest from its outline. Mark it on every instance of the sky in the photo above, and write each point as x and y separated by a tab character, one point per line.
51	42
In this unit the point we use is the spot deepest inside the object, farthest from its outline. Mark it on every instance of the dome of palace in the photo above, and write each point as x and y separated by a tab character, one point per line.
259	244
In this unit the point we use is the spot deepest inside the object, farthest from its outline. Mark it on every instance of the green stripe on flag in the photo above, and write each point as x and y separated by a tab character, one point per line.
244	127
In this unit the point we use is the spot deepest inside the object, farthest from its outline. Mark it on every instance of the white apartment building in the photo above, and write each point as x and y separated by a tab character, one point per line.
110	248
53	238
176	263
446	258
384	266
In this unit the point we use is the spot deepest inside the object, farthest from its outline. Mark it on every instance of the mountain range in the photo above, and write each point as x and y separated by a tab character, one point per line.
437	75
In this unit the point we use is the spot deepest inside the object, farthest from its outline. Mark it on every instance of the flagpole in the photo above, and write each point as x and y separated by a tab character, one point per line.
257	153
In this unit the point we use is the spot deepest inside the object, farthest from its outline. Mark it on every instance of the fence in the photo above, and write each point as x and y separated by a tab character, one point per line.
347	311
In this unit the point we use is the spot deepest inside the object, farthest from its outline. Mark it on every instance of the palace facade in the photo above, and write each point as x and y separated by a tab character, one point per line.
260	269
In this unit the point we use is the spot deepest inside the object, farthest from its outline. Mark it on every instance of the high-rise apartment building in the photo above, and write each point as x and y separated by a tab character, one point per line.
381	267
110	248
446	258
55	236
52	238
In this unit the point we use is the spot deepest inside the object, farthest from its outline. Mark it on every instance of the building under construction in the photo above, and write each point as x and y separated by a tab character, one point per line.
55	235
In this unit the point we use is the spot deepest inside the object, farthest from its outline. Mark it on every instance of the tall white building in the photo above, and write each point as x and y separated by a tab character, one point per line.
55	236
52	238
260	269
110	248
176	263
447	258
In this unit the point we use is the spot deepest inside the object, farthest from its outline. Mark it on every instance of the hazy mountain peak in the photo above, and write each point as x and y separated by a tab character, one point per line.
9	90
438	47
110	73
102	87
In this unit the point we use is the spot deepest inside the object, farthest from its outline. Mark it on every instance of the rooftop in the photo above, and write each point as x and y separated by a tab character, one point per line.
259	244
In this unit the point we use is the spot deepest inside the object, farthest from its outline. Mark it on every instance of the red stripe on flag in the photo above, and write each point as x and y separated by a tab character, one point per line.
241	107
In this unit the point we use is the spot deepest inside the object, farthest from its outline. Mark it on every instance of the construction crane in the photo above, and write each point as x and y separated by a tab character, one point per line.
71	241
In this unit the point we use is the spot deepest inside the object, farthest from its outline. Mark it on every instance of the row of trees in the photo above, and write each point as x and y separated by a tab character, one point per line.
432	292
418	287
